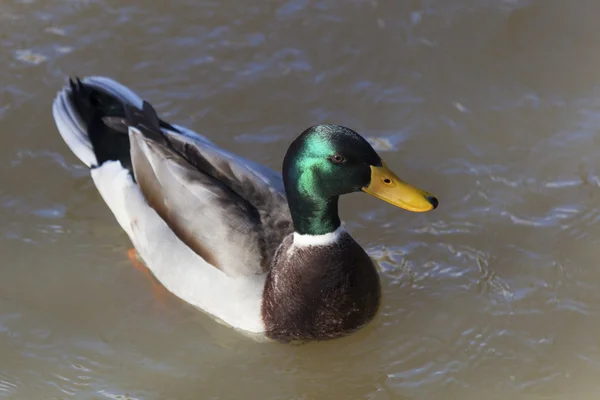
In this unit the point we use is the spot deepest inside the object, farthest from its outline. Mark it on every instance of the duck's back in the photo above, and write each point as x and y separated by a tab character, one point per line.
225	208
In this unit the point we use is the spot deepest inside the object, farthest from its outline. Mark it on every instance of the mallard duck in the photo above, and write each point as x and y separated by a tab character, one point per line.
260	251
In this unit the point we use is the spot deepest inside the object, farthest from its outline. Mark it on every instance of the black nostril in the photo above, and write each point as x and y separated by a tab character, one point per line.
433	200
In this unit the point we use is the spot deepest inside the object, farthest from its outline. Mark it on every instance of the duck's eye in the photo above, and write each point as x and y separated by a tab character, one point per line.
338	159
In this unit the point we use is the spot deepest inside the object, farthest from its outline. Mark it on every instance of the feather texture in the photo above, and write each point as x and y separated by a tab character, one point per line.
229	213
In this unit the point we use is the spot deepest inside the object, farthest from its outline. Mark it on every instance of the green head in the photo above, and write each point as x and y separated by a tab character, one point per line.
327	161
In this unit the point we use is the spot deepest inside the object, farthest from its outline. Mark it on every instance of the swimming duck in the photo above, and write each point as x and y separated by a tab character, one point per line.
260	251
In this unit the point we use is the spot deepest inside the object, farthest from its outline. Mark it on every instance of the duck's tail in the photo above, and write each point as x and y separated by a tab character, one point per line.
90	117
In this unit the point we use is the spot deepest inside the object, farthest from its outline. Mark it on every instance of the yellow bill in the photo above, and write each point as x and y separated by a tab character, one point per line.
385	185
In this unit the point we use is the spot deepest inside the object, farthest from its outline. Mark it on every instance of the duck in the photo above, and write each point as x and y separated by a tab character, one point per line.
260	251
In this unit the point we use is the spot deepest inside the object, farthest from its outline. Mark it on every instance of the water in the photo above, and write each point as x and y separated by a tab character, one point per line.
492	105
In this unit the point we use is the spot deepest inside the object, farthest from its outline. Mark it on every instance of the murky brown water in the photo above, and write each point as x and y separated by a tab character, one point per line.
492	105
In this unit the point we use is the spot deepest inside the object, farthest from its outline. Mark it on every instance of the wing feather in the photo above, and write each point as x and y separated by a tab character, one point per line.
230	211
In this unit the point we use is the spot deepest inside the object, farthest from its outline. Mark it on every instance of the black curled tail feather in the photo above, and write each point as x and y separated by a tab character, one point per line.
108	117
104	116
